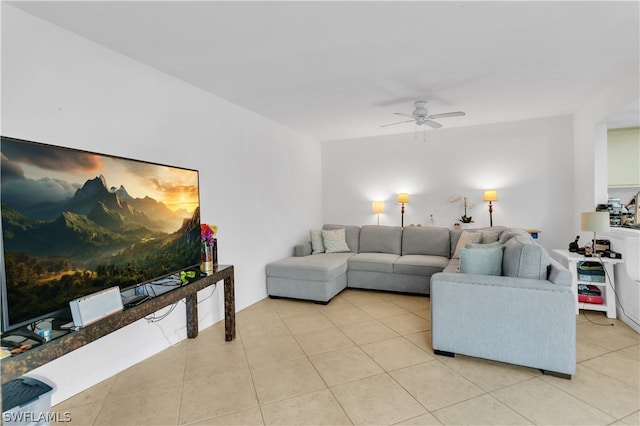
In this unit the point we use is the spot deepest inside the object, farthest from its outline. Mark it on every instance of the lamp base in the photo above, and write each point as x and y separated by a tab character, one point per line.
490	214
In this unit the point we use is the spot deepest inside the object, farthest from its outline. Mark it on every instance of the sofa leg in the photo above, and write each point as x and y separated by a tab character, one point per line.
317	302
556	374
444	353
274	297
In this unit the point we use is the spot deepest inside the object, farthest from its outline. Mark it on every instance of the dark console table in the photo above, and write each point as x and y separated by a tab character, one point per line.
17	365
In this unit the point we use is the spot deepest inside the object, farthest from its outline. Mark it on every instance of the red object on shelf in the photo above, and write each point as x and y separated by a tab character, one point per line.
587	298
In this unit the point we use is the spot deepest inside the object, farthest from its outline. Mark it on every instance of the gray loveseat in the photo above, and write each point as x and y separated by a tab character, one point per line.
495	293
522	317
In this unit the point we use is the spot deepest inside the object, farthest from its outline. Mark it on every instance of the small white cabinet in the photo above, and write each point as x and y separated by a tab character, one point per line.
570	260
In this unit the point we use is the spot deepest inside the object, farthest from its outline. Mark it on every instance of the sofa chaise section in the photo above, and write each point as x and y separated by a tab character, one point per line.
318	278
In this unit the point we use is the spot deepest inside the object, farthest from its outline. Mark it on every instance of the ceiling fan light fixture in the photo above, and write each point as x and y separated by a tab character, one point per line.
420	116
420	110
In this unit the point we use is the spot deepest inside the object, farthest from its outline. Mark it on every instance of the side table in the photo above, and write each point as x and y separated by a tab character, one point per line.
570	260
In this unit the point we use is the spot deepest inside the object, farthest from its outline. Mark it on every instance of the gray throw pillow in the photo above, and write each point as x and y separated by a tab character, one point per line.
317	244
524	258
466	238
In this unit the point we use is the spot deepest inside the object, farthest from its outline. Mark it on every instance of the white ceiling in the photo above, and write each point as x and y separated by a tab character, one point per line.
337	70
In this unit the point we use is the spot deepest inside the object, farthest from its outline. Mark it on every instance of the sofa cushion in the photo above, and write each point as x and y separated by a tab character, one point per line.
335	241
317	267
512	232
453	266
317	245
429	241
455	234
466	238
524	258
490	236
483	245
381	239
352	235
420	264
373	262
482	261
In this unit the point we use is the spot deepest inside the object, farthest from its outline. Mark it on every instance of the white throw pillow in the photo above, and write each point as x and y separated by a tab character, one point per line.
317	245
466	238
335	241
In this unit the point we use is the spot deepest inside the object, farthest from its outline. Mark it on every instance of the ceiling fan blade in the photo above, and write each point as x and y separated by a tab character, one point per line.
448	114
399	122
432	124
402	114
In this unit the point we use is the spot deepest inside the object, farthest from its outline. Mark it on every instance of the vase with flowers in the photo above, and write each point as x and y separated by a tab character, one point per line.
468	204
208	259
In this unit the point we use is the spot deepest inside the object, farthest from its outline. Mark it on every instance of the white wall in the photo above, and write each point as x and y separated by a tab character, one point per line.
61	89
528	162
590	133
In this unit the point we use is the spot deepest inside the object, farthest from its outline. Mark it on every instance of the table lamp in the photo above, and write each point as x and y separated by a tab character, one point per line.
377	207
402	200
594	222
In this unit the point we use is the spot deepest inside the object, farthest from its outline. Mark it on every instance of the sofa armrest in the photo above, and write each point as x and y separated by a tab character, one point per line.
559	275
303	249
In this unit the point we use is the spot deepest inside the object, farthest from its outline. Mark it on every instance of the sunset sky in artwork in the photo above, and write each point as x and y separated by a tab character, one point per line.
53	174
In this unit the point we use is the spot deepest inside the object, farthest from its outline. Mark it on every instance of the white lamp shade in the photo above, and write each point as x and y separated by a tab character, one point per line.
594	221
490	196
377	207
403	198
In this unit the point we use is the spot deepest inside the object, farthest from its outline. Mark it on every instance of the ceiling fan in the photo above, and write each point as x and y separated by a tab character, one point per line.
421	116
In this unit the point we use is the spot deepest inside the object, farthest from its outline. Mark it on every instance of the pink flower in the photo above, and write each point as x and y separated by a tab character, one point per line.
207	233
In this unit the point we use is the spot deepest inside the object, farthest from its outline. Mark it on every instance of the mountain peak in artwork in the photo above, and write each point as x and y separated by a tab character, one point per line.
121	193
92	188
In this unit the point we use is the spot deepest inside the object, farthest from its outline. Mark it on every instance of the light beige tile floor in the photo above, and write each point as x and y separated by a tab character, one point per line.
365	358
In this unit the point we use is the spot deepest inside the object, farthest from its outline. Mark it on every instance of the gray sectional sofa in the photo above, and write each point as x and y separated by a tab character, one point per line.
379	257
495	293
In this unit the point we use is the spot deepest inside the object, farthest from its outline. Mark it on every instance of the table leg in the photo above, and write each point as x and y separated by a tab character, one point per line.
229	309
192	315
610	294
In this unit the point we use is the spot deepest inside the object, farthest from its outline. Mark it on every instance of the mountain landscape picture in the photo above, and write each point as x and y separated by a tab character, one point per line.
75	222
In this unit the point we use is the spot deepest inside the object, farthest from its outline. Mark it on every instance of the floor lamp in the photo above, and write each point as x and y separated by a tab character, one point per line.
490	196
377	207
594	222
402	200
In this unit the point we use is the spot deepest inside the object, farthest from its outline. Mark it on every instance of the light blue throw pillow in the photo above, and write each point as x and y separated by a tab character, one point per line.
482	261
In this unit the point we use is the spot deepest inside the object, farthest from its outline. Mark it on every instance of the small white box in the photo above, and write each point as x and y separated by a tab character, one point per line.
89	309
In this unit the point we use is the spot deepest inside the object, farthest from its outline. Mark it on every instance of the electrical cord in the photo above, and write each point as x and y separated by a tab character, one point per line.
215	286
153	318
615	293
167	337
173	306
